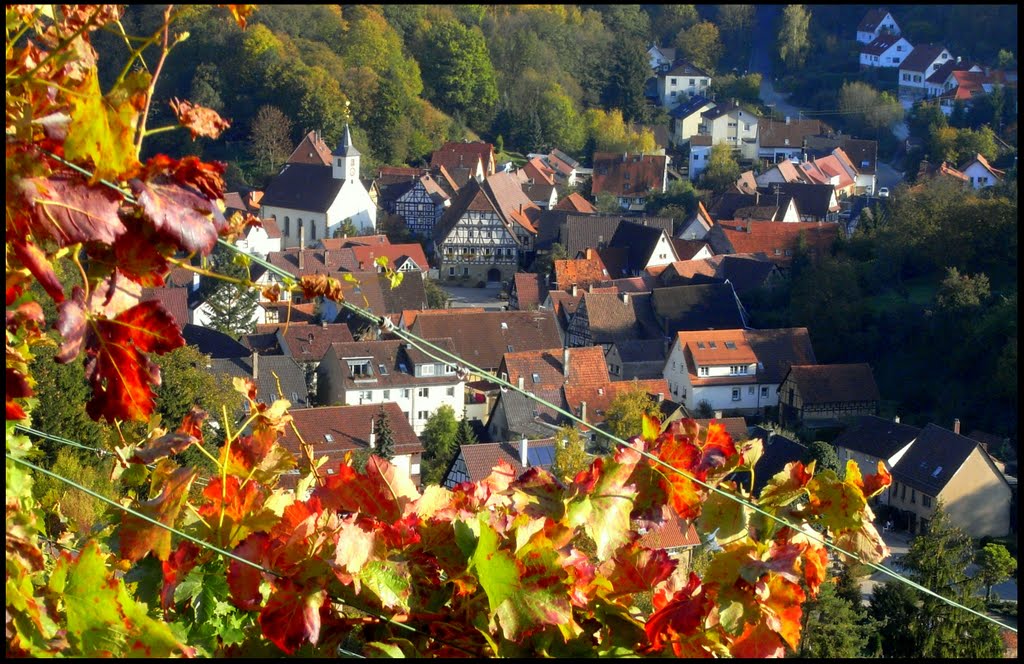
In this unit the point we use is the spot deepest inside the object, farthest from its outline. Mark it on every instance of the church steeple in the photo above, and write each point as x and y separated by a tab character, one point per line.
345	158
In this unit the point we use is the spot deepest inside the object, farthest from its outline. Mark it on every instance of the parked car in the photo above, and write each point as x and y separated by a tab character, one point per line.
883	192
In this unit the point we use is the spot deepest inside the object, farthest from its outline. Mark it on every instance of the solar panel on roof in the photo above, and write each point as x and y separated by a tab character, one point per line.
540	456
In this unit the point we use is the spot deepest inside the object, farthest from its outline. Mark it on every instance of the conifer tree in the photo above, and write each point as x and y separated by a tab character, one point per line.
232	306
385	441
465	435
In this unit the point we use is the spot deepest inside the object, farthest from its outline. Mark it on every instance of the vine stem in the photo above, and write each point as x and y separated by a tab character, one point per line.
164	51
63	44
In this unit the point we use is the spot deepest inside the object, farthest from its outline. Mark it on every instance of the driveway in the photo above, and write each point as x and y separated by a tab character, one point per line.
475	297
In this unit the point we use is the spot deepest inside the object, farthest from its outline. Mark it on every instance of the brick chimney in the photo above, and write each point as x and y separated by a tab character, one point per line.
523	456
624	297
302	236
956	425
583	411
255	365
574	290
896	419
520	382
373	435
565	363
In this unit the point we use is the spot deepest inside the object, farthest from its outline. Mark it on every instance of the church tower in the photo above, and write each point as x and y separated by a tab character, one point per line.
345	158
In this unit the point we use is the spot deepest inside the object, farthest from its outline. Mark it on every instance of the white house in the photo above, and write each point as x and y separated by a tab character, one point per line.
661	58
700	152
375	372
733	370
980	173
874	24
915	69
320	198
888	50
261	240
680	83
731	124
686	118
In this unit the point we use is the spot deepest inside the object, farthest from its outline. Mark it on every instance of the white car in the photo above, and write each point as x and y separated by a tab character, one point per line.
883	192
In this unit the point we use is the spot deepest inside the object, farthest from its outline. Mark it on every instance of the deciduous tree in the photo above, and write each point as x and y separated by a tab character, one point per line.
570	453
794	41
700	44
439	445
995	565
626	411
722	170
270	138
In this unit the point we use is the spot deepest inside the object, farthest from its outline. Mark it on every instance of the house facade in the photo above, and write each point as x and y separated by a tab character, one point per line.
315	200
980	174
731	124
700	153
422	205
376	372
686	118
680	83
874	23
887	50
822	394
915	69
629	177
868	440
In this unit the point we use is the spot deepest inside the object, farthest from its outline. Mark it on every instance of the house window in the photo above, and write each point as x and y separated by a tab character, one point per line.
427	370
913	496
684	393
423	392
287	226
750	390
703	371
272	315
926	501
422	414
450	391
386	395
358	369
406	393
764	392
451	271
735	394
672	81
465	271
693	81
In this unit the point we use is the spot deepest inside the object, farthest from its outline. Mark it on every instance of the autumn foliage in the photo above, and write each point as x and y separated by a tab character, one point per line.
326	559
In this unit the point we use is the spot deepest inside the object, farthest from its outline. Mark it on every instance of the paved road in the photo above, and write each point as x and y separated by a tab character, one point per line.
475	297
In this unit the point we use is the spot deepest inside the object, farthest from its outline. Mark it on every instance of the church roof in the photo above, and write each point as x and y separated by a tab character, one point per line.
345	147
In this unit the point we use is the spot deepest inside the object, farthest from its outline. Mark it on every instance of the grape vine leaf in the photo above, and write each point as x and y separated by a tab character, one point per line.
139	537
291	617
199	120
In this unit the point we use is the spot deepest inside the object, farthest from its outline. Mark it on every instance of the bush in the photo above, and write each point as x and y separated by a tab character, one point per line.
481	284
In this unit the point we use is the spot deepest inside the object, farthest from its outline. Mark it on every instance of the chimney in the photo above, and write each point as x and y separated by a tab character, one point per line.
565	363
326	256
590	253
591	287
718	414
302	236
373	435
896	419
302	255
523	457
787	119
625	298
574	290
624	157
583	411
661	397
956	425
520	382
255	365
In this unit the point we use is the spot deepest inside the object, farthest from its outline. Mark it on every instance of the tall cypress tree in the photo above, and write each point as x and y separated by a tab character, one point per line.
233	307
385	445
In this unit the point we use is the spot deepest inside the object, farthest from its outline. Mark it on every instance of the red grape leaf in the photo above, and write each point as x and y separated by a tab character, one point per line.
199	120
872	485
177	565
244	580
381	492
39	265
757	641
139	537
787	485
241	13
179	213
242	506
67	209
637	569
291	617
684	615
783	602
162	447
121	374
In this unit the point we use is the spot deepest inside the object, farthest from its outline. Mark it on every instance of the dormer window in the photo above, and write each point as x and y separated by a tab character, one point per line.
702	371
360	368
427	370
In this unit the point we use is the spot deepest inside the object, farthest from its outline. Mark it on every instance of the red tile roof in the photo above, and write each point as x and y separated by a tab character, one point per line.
687	249
717	347
395	253
598	398
334	430
483	338
271	227
538	171
587	366
580	272
308	343
175	301
774	239
311	150
335	243
299	313
482	458
631	175
409	315
575	203
464	155
673	534
531	289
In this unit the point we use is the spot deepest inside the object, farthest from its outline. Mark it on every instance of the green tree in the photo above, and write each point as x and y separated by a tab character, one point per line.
457	72
627	76
893	607
561	124
705	410
962	293
346	229
868	109
700	44
439	445
606	202
671	19
826	456
624	415
322	105
465	435
630	22
735	22
233	306
437	297
995	565
570	453
80	511
832	627
1005	59
385	443
794	41
722	170
972	142
938	560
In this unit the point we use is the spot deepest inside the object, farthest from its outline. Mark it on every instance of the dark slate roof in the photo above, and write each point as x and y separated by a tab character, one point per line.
745	271
697	307
871	20
780	349
933	459
725	206
834	383
345	147
691	106
641	350
720	110
812	199
483	338
876	437
264	343
778	451
921	57
303	187
213	343
530	418
686	69
638	241
290	374
592	230
549	227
